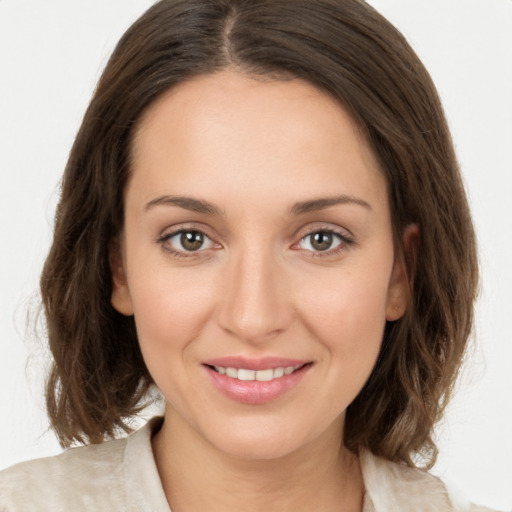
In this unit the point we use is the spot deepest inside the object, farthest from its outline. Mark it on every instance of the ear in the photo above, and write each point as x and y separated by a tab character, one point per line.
402	276
120	298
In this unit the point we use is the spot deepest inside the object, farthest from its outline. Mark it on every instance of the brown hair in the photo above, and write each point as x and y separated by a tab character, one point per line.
345	48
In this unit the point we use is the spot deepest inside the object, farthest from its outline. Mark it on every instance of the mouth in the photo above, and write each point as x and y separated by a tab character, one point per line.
256	381
264	375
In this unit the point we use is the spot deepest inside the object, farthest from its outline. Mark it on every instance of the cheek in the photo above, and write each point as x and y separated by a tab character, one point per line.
350	300
347	313
170	307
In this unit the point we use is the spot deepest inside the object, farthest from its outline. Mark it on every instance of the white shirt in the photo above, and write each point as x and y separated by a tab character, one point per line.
122	475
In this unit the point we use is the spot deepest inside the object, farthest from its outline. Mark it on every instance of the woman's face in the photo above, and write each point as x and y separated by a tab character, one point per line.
257	242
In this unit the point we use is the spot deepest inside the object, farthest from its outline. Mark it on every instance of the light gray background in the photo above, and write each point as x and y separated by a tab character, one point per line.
51	55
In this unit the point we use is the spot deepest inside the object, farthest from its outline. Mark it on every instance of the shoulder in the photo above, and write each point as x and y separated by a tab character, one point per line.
396	487
90	473
115	475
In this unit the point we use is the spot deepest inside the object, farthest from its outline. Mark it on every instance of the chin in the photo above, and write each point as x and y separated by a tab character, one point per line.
258	441
258	449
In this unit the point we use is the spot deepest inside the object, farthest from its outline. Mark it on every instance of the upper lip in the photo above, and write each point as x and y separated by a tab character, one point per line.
263	363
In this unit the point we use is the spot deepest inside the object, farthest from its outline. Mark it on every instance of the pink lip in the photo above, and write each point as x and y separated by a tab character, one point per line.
254	364
255	392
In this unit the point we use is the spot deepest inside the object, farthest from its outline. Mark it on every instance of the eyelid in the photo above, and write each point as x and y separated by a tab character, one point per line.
315	227
347	239
172	231
186	226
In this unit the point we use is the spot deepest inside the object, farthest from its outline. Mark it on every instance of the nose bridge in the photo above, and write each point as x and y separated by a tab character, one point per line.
255	306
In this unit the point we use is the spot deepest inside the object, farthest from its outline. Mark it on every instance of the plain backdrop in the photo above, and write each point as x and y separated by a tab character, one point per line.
51	55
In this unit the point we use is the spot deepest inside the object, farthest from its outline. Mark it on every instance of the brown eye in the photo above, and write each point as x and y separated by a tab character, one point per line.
186	241
321	241
191	240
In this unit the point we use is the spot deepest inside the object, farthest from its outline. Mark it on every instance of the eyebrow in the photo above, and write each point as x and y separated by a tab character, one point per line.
321	203
201	206
188	203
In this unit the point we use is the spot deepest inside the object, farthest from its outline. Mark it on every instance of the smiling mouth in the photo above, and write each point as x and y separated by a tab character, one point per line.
256	381
265	375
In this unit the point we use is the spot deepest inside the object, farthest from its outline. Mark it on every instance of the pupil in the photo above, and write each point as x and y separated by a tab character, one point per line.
191	240
321	241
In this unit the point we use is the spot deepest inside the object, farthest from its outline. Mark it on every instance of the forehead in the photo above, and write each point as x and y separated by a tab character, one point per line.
229	132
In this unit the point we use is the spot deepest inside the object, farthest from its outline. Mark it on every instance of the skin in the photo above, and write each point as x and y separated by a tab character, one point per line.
257	287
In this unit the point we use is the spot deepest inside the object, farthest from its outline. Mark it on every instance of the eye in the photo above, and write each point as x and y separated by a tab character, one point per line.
321	241
187	241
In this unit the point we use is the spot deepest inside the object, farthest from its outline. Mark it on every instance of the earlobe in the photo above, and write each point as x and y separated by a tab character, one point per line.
402	278
398	292
120	298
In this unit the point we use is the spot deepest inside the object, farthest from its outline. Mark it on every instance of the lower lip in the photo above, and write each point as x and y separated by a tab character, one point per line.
253	391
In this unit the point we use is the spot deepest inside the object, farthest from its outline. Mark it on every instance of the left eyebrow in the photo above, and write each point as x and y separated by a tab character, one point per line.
188	203
322	203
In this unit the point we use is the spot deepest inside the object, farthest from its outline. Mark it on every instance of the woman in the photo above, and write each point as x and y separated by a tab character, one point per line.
261	216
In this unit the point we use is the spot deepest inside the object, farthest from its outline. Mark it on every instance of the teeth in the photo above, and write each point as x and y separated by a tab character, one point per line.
259	375
246	374
232	372
278	372
264	375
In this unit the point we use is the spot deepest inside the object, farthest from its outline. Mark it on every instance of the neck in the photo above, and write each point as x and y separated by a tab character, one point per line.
322	475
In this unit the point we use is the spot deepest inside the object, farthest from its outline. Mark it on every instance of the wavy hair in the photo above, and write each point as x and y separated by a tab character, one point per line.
345	48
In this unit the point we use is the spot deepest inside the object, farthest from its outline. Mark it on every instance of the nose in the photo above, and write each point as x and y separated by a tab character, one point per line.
255	306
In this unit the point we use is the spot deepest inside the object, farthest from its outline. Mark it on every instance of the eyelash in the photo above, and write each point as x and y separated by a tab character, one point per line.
345	242
165	238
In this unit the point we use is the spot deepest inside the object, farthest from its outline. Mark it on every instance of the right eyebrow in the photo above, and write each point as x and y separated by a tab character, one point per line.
188	203
322	203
